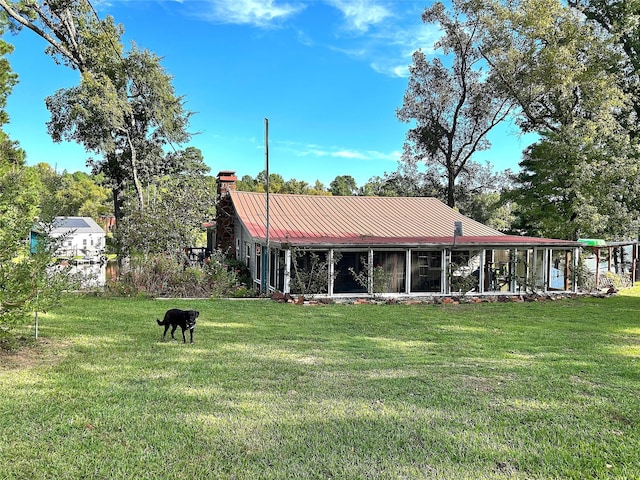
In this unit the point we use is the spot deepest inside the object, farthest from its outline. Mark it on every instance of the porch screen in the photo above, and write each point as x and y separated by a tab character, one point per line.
426	271
393	264
344	281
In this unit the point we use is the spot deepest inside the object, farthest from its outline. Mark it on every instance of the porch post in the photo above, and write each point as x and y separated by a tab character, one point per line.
444	284
597	251
634	255
513	256
576	260
527	269
330	271
567	271
287	271
407	273
481	270
370	272
547	269
534	271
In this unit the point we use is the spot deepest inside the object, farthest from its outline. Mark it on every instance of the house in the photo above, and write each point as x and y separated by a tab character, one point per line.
409	246
80	237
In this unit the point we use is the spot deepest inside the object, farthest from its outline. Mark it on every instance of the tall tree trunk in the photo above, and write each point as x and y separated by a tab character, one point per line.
134	166
451	184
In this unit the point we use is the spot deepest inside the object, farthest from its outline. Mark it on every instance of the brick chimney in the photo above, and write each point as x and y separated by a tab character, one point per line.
226	181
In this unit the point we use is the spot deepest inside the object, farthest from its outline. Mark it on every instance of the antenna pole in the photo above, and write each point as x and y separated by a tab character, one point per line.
266	257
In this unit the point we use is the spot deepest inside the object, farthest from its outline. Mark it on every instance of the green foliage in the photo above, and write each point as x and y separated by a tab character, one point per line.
406	181
8	79
310	272
171	276
177	206
26	282
573	82
454	108
277	184
125	107
547	58
343	185
72	194
571	187
585	279
372	278
618	22
461	278
29	281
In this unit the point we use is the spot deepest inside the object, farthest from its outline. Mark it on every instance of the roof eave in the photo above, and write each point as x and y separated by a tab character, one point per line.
460	243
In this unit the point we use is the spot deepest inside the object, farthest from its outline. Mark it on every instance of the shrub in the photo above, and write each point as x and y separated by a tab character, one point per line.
169	276
310	274
376	285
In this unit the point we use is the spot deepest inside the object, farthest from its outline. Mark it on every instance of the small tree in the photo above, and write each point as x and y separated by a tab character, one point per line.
373	278
310	272
29	280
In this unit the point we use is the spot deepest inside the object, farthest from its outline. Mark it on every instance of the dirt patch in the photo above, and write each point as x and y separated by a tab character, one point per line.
28	353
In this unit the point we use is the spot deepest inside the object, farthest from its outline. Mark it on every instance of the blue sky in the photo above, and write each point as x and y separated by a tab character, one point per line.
328	74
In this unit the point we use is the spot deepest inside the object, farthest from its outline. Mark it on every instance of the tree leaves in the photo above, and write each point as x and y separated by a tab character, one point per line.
454	107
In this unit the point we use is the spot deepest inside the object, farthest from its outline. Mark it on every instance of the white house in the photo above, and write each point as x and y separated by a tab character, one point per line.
83	237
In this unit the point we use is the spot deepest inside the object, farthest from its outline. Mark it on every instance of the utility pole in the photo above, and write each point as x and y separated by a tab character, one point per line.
266	256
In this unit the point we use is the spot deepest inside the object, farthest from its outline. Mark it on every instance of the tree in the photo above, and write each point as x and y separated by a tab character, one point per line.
20	272
26	282
619	19
177	205
246	184
124	108
453	108
343	185
277	184
570	191
24	285
564	74
407	181
554	66
296	187
71	194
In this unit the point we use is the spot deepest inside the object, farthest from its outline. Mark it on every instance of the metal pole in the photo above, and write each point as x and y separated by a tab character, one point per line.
37	308
267	256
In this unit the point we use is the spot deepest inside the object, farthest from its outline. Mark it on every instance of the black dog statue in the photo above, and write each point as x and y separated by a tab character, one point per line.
185	319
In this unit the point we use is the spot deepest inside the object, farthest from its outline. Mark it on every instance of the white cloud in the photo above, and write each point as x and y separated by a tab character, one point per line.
262	13
348	154
361	14
391	70
381	32
387	34
314	150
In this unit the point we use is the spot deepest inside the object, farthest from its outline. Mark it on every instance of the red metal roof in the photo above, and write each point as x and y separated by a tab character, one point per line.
351	220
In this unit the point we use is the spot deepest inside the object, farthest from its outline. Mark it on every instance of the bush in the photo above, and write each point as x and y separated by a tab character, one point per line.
169	276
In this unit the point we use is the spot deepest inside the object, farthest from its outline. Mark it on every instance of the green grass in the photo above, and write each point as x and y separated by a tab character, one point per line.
272	391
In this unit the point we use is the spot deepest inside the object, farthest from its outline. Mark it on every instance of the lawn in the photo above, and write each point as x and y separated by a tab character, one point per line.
280	391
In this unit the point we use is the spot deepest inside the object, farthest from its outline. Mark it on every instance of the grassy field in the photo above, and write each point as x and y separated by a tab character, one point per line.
271	391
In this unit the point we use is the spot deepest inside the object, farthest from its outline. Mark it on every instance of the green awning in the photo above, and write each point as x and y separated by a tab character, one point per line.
592	242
